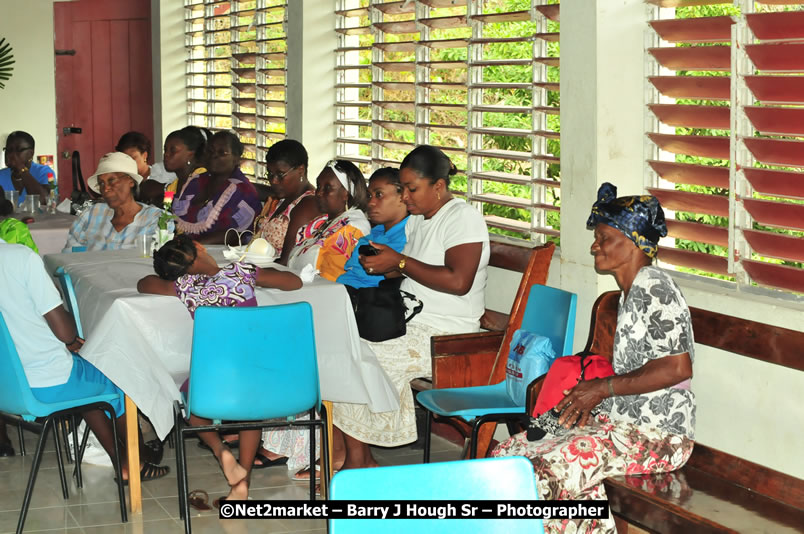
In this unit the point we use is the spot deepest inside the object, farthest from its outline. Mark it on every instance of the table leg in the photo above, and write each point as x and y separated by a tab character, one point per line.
328	407
133	448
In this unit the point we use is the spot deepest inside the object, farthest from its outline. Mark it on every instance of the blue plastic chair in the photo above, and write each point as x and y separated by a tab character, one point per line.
70	300
17	398
265	368
503	479
550	312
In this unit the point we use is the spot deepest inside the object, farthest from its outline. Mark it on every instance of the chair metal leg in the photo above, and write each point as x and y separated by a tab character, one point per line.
64	433
121	493
177	426
312	455
26	500
22	440
325	481
60	461
83	447
76	454
428	421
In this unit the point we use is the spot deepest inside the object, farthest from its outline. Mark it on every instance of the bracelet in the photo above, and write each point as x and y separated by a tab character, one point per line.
611	388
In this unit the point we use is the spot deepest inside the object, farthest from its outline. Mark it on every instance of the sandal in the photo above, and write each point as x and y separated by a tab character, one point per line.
298	478
199	499
267	462
150	472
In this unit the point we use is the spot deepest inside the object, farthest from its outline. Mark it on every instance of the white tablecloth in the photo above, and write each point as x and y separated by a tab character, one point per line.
49	231
143	342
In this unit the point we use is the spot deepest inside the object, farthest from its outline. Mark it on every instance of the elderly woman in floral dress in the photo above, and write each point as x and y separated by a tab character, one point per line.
646	422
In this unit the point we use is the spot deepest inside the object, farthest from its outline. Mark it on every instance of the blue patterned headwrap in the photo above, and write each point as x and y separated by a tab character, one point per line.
640	218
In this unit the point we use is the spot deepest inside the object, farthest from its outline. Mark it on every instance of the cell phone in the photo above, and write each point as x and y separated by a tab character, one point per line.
367	250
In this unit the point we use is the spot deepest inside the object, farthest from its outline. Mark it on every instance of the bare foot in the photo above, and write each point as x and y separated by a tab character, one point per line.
239	492
232	470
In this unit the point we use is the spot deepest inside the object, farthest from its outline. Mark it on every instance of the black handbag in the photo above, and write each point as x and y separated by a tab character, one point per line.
380	311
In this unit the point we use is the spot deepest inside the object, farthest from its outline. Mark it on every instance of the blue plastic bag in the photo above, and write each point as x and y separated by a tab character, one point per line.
529	358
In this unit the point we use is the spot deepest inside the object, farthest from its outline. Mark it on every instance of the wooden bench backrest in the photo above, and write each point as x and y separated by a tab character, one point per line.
773	344
513	258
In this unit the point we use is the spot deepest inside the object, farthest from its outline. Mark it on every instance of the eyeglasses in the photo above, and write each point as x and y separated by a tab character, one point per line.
271	177
19	150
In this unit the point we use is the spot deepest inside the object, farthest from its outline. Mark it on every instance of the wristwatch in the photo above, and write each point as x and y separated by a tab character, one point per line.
402	262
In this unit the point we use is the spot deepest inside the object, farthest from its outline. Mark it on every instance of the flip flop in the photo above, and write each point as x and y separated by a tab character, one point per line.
199	499
267	462
298	478
150	472
217	502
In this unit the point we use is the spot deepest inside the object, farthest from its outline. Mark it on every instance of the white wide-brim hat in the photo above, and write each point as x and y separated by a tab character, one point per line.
114	162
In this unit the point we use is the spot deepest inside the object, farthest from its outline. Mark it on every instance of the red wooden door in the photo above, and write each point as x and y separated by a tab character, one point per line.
103	78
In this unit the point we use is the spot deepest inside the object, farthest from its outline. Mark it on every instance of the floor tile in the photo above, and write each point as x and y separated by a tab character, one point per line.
93	509
93	515
38	519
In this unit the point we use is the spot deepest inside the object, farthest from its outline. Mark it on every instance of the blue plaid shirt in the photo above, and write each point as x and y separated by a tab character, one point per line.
94	229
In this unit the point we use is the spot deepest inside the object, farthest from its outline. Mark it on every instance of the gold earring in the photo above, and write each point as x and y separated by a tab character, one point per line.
438	196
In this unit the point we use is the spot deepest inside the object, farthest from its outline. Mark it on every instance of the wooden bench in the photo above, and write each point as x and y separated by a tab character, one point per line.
714	491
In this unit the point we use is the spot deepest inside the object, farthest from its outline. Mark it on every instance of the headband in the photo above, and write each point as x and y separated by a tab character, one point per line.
639	218
341	176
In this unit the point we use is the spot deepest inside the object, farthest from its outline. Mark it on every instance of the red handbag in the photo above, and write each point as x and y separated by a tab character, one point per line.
565	373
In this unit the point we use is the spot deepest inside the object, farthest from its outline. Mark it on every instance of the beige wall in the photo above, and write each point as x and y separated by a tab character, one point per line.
168	55
29	100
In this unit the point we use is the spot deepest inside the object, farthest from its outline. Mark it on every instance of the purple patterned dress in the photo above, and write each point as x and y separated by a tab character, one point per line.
232	286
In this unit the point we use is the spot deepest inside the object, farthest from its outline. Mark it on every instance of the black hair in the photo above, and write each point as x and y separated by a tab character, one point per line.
359	198
6	206
134	140
389	174
195	139
430	162
175	257
288	150
231	139
23	136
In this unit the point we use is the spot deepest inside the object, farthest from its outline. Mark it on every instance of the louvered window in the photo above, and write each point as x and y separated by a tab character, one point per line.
725	138
236	53
477	78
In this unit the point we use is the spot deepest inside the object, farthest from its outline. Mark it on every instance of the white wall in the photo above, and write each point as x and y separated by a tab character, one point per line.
29	100
168	55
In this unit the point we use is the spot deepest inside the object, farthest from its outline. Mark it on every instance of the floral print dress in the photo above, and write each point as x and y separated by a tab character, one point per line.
634	434
232	286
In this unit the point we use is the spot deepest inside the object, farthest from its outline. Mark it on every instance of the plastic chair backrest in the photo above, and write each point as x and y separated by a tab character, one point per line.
551	313
503	479
250	364
16	396
70	301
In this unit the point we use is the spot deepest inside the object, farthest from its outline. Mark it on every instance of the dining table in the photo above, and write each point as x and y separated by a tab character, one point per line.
50	230
143	342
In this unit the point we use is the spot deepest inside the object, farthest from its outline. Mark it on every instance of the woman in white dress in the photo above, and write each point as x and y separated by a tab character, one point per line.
444	264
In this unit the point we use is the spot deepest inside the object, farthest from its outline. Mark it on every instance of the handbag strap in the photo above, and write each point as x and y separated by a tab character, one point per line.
416	309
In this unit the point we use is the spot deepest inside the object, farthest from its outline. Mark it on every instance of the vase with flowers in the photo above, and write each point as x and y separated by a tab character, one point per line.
165	225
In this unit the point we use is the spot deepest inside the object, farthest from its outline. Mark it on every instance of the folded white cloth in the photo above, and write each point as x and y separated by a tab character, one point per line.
64	206
308	273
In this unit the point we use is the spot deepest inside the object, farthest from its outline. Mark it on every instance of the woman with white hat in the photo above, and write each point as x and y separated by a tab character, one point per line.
116	222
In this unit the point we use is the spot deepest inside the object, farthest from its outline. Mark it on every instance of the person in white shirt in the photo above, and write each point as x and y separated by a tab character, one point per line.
444	264
45	336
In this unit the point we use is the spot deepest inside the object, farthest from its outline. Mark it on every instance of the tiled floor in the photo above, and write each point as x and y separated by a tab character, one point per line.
94	508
